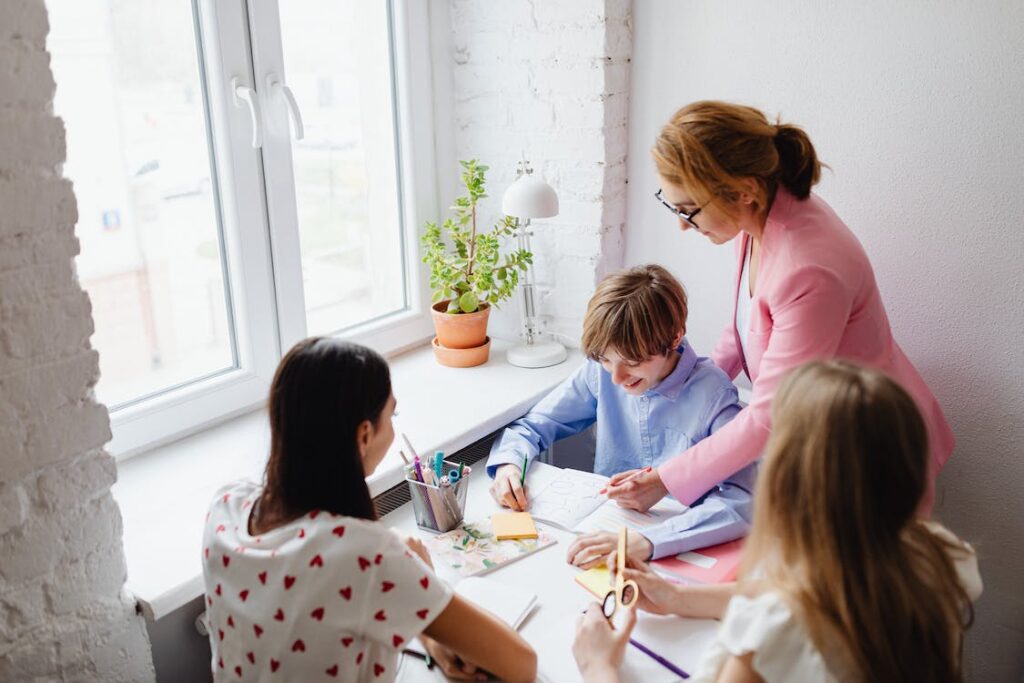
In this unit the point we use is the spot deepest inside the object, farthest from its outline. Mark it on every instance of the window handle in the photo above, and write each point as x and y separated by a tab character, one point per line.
278	89
242	95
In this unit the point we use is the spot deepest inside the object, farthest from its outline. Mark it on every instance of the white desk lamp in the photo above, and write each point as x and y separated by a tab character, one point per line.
530	197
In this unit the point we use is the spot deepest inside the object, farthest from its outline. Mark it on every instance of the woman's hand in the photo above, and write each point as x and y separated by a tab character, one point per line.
590	550
508	488
639	493
598	648
449	662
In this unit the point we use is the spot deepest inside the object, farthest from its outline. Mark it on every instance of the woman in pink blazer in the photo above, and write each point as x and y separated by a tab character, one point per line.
809	291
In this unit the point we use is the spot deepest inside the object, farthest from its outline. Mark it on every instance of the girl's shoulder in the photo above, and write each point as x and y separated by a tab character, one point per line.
965	560
766	626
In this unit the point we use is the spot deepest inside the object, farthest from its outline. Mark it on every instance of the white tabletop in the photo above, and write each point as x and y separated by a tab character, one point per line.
552	626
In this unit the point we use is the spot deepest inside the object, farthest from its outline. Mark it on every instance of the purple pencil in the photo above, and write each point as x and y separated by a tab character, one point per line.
659	659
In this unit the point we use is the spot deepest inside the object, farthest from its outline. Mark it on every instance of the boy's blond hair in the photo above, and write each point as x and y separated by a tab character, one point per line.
639	312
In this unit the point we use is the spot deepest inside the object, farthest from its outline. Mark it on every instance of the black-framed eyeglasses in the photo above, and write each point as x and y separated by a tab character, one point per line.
688	217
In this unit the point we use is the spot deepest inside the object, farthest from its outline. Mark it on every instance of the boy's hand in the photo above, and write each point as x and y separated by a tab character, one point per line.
590	550
508	488
639	493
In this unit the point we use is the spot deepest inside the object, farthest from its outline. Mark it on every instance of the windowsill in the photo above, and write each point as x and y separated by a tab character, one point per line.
164	494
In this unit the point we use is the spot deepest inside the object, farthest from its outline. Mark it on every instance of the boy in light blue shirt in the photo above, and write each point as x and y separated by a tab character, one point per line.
652	398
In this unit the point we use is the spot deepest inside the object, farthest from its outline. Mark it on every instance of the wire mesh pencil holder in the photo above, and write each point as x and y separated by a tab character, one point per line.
437	507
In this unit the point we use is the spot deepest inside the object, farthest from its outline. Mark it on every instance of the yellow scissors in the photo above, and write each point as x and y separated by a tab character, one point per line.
625	593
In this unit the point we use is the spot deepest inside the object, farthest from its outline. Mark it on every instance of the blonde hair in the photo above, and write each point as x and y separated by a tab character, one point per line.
835	530
710	147
639	312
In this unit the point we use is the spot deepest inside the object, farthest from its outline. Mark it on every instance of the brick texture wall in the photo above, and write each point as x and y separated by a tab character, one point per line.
63	615
551	79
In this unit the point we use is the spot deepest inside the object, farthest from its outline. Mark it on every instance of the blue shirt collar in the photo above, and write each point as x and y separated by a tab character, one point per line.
671	386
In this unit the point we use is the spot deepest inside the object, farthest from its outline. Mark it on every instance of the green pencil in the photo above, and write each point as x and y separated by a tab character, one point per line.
522	480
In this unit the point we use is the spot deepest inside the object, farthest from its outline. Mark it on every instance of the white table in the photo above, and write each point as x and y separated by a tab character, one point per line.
552	626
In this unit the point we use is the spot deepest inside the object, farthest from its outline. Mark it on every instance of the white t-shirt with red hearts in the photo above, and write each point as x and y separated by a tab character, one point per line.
324	597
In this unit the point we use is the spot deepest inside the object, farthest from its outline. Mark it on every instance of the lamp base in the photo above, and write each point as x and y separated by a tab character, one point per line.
537	355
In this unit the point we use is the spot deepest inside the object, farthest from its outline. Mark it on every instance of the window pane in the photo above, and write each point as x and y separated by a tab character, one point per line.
130	94
337	63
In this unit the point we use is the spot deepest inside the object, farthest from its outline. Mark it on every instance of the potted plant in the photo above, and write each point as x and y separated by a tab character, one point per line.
471	275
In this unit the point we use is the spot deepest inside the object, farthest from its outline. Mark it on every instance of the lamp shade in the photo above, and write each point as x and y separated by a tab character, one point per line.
529	197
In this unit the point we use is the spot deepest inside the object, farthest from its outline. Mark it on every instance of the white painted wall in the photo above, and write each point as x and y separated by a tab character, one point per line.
917	107
63	614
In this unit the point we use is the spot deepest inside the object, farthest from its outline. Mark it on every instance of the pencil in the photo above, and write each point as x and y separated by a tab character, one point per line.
629	478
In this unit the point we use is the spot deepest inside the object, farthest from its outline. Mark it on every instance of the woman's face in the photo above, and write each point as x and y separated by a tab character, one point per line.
377	438
711	222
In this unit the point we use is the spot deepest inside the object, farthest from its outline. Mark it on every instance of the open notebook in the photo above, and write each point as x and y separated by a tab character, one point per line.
571	500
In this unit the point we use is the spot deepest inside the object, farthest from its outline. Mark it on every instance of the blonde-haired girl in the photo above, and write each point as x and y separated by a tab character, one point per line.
841	580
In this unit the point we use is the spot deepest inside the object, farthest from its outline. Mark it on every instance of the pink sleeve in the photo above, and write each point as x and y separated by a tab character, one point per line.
725	354
809	313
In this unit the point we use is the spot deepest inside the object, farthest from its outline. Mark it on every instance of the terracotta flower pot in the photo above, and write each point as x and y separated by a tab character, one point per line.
460	330
462	358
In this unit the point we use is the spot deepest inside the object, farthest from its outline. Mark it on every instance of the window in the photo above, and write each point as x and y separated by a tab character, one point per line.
244	176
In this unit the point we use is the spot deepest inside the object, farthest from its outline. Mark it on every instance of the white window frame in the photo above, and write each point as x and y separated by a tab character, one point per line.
261	260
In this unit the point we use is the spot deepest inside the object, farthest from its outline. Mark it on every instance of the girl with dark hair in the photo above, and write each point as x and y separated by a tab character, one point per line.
301	579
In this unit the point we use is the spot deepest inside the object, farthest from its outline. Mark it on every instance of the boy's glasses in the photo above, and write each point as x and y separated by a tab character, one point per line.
625	592
688	217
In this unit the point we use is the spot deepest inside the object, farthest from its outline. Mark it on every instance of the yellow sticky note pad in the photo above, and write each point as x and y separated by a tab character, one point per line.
513	525
597	580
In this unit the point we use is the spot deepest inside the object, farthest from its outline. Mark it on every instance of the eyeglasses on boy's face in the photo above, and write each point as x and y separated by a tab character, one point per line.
688	217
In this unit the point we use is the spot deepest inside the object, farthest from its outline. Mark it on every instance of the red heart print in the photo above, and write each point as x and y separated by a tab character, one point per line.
274	664
217	589
288	581
220	528
385	586
280	614
380	616
346	641
359	659
226	560
425	582
422	614
238	671
251	657
397	640
246	504
243	594
298	646
318	614
317	561
378	669
346	592
338	531
209	601
363	563
220	662
220	633
333	671
377	559
231	622
258	629
206	553
313	514
302	533
226	496
263	578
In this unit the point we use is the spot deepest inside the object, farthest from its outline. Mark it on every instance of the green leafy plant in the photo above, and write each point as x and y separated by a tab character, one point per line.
475	272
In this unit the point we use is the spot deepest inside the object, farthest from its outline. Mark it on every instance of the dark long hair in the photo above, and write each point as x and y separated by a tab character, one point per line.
323	390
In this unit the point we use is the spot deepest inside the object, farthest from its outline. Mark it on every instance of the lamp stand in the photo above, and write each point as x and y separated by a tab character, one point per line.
534	353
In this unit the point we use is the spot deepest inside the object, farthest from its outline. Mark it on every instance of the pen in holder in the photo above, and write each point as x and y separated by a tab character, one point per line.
439	506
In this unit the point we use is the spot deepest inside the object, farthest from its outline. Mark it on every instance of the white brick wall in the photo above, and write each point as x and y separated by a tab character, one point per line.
549	78
62	612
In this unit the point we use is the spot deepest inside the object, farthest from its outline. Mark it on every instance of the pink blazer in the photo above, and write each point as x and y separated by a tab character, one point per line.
815	298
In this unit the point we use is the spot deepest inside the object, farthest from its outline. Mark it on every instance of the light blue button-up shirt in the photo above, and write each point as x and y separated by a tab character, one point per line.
692	402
